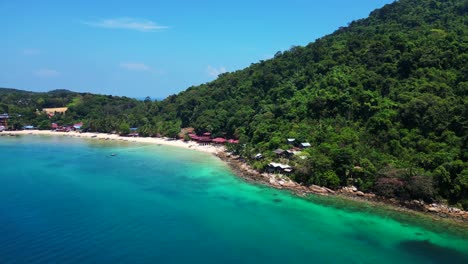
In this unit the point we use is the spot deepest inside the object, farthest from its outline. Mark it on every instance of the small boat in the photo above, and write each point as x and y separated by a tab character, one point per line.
113	154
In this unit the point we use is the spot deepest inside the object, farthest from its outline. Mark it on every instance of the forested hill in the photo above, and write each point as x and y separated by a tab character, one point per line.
103	113
387	94
383	103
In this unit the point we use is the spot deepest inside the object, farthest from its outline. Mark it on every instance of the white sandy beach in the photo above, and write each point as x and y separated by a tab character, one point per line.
102	136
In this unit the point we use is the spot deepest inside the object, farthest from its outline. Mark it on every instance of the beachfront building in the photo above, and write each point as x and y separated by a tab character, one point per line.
134	132
78	126
4	120
206	139
193	136
219	140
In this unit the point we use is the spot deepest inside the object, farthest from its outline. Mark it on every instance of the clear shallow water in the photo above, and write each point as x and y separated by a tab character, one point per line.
68	200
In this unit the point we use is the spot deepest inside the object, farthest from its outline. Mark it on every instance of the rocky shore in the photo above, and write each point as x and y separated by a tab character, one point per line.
243	170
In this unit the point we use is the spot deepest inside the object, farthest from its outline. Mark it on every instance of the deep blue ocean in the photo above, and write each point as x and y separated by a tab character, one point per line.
68	200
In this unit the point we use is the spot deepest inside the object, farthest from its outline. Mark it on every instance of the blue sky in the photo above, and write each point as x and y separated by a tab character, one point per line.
155	48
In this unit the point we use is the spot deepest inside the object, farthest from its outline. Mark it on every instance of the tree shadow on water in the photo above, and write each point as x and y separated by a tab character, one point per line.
433	253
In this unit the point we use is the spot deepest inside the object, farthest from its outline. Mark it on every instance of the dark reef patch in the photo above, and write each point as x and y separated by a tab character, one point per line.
433	253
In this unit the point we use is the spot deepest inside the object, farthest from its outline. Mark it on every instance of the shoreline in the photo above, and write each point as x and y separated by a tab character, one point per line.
277	181
103	136
437	212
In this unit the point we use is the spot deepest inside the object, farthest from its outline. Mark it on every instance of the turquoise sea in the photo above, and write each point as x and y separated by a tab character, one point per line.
67	200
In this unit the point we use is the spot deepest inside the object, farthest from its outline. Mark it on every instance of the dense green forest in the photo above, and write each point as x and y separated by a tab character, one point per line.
382	101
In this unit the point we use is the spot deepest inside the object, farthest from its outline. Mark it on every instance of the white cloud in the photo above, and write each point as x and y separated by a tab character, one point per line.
46	73
30	52
214	72
127	23
135	66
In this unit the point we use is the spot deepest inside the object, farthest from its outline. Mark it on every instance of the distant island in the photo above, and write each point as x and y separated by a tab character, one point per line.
379	105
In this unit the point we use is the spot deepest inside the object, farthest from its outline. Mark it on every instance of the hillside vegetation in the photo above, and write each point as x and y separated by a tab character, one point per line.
383	102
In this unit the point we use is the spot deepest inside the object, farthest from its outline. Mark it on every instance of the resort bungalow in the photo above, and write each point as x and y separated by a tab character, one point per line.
305	145
78	126
279	152
274	167
233	141
133	132
259	156
61	128
4	120
289	153
291	141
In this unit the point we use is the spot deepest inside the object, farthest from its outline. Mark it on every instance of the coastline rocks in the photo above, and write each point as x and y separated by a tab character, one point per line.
279	181
349	189
318	190
352	190
433	209
359	193
443	210
274	182
288	183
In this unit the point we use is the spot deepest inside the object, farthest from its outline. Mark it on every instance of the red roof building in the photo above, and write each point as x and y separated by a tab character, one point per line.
193	136
205	139
219	140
